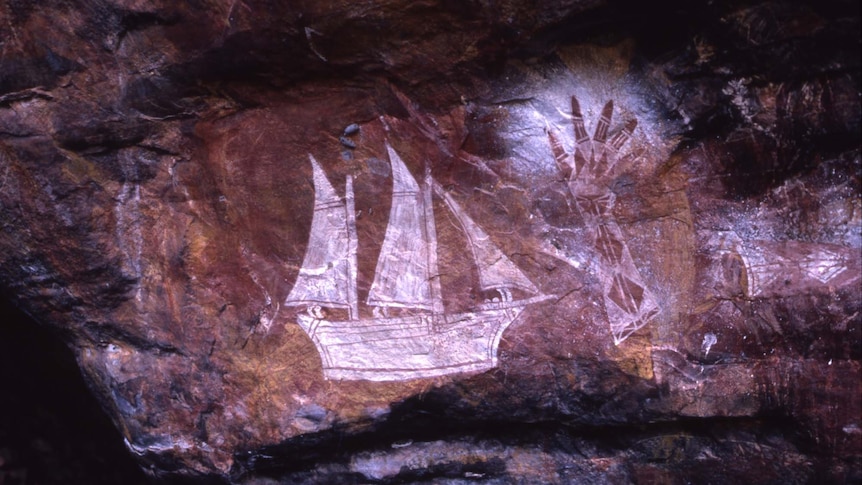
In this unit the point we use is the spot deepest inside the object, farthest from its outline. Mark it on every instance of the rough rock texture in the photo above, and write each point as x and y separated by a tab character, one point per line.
677	185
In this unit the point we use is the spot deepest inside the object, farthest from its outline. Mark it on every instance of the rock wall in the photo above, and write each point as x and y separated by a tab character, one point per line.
498	242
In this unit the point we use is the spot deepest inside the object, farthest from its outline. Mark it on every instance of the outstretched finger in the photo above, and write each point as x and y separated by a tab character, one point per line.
621	137
604	123
564	164
578	122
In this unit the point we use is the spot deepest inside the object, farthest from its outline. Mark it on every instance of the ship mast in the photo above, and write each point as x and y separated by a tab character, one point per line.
431	239
352	246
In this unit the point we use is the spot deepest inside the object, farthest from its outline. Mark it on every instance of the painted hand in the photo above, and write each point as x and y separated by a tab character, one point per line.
590	170
595	161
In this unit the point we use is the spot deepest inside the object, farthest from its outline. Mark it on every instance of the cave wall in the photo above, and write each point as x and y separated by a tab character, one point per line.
666	221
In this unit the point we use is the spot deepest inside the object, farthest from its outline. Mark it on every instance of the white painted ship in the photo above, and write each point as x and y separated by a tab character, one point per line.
423	340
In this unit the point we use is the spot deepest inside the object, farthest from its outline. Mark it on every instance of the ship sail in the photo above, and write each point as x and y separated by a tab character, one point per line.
406	269
327	276
408	345
496	271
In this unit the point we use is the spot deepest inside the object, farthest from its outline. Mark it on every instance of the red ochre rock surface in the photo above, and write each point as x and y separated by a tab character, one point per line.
646	226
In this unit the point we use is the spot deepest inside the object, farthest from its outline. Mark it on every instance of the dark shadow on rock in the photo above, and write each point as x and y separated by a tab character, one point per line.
52	430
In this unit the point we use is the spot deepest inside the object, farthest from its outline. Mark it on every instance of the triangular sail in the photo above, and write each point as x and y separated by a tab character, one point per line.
431	237
404	269
326	276
496	271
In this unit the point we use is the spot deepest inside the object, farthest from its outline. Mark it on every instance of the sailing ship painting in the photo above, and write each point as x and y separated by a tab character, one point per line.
422	339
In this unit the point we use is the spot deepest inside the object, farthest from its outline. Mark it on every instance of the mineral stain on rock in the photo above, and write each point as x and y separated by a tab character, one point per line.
670	230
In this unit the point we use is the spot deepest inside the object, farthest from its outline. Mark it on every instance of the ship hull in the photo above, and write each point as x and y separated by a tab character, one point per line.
410	347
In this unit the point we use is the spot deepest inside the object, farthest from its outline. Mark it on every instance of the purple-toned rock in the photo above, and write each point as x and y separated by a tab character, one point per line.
418	242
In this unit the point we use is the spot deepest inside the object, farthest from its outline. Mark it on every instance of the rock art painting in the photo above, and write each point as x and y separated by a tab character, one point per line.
408	333
442	242
589	171
764	269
